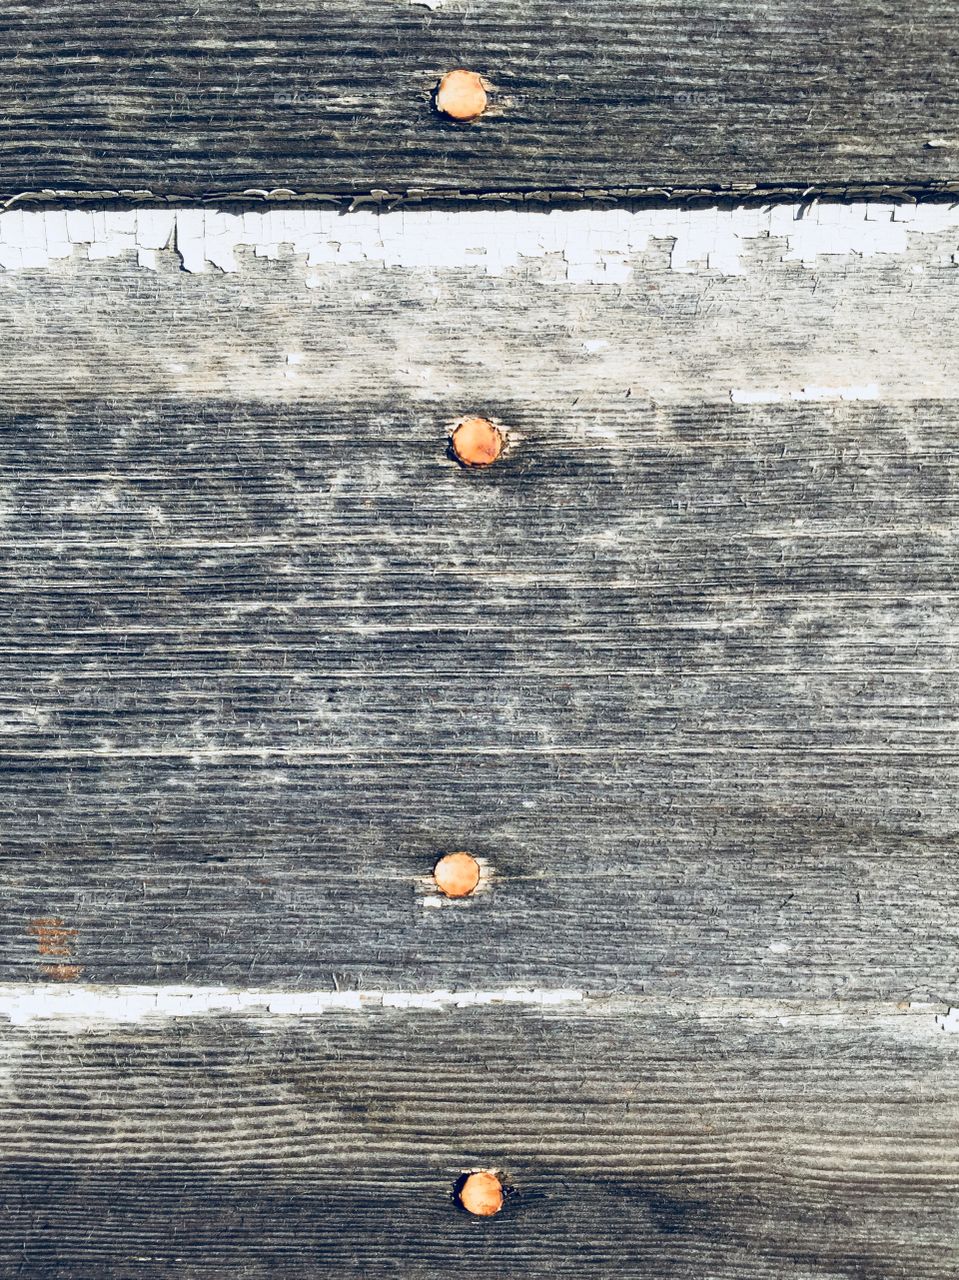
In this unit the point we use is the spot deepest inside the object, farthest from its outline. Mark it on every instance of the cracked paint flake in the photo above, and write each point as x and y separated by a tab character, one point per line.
597	246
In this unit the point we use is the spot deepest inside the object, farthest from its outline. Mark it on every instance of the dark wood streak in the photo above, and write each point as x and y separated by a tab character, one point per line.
639	1139
328	97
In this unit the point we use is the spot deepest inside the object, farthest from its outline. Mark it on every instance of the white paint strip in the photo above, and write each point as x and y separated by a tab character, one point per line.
590	245
868	391
22	1003
949	1021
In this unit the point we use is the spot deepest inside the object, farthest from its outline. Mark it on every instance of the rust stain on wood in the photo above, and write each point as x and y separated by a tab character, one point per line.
55	939
62	972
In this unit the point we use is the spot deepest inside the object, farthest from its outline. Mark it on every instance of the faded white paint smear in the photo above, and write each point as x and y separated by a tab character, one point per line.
74	1006
598	246
22	1003
865	391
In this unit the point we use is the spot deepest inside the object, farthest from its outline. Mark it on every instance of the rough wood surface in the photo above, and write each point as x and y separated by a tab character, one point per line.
639	1141
682	670
331	96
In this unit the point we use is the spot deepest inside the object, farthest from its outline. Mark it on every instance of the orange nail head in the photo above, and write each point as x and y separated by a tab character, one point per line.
461	95
457	874
482	1194
477	442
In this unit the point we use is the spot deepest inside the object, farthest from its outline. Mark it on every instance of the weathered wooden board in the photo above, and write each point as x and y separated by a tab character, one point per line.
682	667
334	96
640	1139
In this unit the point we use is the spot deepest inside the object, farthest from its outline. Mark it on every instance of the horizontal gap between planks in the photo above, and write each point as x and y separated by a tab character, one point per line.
464	197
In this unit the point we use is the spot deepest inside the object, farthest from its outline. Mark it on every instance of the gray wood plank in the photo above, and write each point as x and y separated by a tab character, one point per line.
682	670
334	96
639	1139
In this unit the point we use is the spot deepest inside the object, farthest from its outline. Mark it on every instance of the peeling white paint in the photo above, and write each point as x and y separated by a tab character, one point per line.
22	1003
598	246
949	1021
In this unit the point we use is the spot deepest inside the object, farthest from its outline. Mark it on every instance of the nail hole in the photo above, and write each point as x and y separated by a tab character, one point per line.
461	95
476	442
457	874
480	1193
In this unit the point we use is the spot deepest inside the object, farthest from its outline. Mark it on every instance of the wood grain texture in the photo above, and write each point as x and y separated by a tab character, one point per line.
334	96
639	1140
681	670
